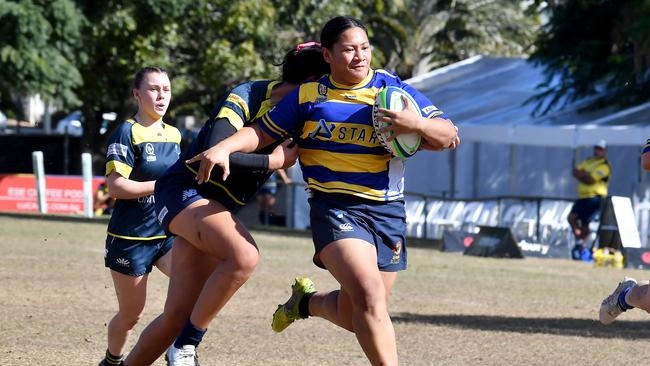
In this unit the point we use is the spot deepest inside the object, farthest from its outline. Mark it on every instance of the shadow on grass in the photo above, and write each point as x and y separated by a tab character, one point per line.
556	326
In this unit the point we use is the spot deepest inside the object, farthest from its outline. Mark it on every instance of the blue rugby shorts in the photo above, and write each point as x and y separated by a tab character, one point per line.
341	216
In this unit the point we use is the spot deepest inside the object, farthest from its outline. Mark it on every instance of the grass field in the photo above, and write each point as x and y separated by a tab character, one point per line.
448	309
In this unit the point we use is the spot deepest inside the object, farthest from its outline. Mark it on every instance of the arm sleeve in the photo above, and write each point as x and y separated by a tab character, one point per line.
285	119
221	129
646	148
120	155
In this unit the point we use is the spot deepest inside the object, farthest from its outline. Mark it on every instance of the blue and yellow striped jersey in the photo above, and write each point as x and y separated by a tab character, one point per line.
240	107
646	148
140	154
339	150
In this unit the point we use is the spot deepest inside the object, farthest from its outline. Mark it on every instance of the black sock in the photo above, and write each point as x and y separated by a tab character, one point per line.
303	306
189	335
111	359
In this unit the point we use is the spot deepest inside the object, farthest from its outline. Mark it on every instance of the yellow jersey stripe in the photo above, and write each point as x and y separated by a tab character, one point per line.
135	237
241	103
235	119
119	167
347	188
344	162
364	96
142	134
361	84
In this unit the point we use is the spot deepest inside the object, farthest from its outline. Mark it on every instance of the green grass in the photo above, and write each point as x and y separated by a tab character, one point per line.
447	309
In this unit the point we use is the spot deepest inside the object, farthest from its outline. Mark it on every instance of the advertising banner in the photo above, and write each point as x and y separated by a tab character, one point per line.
64	194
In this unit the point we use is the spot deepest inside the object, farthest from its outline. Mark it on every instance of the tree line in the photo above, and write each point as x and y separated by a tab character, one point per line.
81	54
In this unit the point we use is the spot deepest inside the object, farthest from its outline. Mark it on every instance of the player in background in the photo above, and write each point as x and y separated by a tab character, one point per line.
214	254
629	293
138	153
357	209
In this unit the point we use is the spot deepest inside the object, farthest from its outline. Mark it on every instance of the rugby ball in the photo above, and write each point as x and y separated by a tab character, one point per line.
406	144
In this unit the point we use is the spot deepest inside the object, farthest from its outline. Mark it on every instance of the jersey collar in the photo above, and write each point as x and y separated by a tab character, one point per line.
364	82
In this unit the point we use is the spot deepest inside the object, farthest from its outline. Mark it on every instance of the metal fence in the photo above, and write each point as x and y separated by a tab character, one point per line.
534	219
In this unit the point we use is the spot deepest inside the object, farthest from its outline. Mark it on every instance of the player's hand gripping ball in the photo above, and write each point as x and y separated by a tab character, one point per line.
406	144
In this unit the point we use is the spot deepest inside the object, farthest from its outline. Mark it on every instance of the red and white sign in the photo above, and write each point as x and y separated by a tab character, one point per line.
64	194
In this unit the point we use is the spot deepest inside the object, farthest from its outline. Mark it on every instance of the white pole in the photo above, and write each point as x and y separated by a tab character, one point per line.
39	173
87	172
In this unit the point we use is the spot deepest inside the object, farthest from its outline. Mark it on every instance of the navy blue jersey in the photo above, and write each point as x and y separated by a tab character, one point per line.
240	107
140	154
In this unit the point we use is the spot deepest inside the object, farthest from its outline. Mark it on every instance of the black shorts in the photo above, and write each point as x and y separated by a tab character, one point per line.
587	208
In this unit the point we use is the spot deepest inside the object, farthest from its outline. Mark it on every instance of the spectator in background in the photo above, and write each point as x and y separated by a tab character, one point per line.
593	179
628	294
103	203
266	199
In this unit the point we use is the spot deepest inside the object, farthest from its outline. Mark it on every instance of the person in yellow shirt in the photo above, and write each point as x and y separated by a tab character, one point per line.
593	179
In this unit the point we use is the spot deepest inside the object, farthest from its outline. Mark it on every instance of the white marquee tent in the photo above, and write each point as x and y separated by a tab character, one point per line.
505	149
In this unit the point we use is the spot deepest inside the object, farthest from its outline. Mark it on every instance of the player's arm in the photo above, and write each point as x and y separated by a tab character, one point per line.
222	129
247	139
120	159
123	188
273	126
438	133
436	129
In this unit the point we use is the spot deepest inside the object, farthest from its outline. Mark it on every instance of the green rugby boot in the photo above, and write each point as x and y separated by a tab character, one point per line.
288	312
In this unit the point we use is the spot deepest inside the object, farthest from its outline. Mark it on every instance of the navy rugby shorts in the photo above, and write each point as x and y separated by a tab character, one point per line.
177	189
134	257
342	216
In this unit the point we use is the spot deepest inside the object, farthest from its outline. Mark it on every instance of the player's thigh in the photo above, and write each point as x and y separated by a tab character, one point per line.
190	268
163	260
353	263
214	230
131	292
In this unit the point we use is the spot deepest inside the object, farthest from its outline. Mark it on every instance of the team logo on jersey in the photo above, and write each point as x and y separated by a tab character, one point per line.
322	94
428	109
397	252
322	130
322	89
346	227
151	154
116	149
189	193
123	262
147	199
